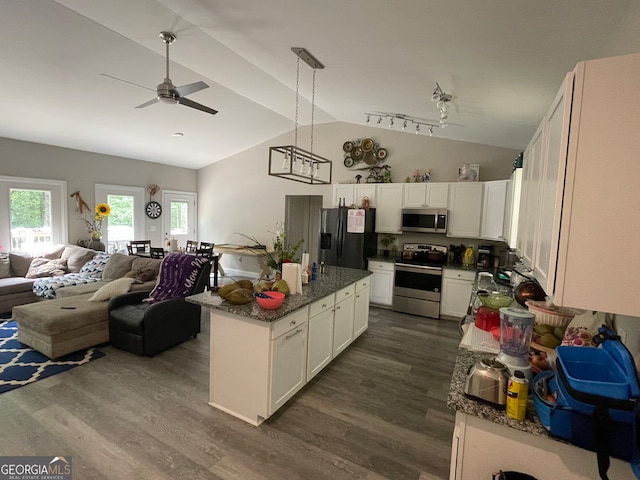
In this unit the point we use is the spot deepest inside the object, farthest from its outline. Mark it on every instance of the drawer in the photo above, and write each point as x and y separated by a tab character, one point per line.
469	275
378	265
362	284
289	322
321	305
346	292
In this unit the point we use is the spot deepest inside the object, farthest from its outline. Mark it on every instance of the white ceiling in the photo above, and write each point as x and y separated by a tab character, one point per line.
502	60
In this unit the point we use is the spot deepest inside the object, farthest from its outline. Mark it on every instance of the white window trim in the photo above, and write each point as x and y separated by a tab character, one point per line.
60	217
101	192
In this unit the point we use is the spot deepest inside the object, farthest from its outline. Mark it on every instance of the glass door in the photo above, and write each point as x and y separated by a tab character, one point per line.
180	216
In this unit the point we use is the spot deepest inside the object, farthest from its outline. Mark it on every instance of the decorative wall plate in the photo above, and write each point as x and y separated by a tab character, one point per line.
153	209
370	158
367	145
347	146
348	162
356	153
381	153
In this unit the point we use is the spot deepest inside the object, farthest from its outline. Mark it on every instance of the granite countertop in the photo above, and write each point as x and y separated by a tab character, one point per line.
327	283
459	402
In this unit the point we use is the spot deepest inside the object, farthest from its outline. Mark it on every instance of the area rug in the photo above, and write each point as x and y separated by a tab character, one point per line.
21	365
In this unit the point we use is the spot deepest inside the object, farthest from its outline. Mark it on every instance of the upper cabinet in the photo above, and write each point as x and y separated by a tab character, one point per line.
465	207
494	197
512	209
582	190
433	195
353	193
388	207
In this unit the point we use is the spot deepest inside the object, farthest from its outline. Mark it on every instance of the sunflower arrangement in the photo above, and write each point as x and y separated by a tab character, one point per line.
94	225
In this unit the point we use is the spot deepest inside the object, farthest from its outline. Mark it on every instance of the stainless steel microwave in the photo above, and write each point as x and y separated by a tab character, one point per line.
426	220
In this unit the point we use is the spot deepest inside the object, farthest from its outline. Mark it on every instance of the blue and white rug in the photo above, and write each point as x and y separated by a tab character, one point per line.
21	365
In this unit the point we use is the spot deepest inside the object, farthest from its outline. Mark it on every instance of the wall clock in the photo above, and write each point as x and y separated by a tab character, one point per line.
153	209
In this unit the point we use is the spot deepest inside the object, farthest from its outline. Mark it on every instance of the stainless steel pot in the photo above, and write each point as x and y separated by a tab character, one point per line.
487	380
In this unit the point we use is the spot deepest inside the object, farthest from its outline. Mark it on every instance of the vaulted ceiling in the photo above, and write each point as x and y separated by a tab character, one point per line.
501	60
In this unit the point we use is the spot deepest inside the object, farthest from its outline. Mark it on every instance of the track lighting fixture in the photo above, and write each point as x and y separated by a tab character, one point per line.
403	120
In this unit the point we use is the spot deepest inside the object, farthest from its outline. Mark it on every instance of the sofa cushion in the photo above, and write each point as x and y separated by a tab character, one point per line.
76	257
12	285
5	266
43	267
112	289
96	266
117	266
20	263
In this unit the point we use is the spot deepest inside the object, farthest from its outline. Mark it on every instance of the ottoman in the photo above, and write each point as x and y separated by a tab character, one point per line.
58	327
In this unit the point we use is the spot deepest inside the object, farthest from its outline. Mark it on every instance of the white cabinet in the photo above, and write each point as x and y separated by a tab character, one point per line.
381	289
353	193
433	195
343	319
512	209
388	207
361	308
288	359
494	196
456	291
320	338
465	206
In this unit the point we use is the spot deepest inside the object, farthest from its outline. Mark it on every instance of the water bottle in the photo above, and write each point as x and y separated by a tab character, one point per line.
314	271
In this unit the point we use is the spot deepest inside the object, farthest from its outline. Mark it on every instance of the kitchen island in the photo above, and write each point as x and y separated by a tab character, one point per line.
486	440
260	358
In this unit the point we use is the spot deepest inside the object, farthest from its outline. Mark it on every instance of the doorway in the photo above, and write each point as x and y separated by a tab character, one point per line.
180	218
302	221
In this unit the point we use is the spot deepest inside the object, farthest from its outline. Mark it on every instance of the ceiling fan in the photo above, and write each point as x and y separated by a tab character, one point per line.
167	92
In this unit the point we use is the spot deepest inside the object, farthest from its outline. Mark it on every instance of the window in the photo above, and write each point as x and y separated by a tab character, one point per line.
179	217
180	220
33	215
126	221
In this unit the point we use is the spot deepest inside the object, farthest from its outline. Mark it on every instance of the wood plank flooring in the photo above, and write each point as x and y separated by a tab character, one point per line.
378	411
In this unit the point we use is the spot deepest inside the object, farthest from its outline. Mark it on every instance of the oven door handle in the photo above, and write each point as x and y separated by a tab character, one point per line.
403	267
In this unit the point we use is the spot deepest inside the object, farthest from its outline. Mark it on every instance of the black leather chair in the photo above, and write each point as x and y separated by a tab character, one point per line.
149	328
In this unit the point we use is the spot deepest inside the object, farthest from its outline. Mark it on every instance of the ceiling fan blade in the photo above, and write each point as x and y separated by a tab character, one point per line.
197	106
127	81
185	90
146	104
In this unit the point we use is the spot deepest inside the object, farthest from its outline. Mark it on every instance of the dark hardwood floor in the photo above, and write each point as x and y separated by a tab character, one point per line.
378	411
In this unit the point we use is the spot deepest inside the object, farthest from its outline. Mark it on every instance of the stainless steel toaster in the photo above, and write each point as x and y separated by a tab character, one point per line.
487	380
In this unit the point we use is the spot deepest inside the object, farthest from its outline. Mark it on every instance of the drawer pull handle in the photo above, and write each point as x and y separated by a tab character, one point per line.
294	333
293	322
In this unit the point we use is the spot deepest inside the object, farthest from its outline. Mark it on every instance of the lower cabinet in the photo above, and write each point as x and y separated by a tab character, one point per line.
320	343
456	291
343	319
361	308
381	288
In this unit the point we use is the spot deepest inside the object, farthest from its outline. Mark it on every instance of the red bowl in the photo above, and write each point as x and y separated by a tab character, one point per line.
487	318
271	303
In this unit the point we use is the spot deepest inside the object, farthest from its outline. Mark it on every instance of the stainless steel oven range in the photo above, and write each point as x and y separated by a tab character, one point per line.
418	279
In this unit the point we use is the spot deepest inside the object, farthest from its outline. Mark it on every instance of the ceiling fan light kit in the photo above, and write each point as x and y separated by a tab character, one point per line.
290	161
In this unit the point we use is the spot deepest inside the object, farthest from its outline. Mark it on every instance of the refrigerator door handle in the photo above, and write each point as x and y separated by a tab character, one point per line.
340	235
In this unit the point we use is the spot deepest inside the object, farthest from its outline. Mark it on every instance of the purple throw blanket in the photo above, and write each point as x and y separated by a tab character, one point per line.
178	275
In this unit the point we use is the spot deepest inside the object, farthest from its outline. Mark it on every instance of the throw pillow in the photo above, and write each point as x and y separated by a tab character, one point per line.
76	257
142	274
20	263
94	267
140	263
178	275
117	266
53	252
112	289
43	267
5	266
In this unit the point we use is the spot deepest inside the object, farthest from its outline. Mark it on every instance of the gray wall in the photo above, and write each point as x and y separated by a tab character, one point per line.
82	170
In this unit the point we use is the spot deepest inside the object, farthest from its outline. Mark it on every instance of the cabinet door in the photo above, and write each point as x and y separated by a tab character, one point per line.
364	190
388	207
465	206
343	325
512	209
345	192
456	295
493	209
437	195
361	312
288	365
414	195
320	345
381	286
554	157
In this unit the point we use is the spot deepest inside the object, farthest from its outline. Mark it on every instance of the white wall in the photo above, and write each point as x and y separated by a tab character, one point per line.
82	170
236	194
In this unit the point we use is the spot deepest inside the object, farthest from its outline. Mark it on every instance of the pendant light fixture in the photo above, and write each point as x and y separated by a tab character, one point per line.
290	161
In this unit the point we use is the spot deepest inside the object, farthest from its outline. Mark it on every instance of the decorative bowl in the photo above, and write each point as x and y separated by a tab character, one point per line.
496	300
551	314
271	303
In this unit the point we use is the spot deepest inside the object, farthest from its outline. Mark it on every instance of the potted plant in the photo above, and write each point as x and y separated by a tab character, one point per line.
388	240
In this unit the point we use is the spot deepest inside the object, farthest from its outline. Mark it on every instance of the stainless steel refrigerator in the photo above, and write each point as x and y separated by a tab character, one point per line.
341	248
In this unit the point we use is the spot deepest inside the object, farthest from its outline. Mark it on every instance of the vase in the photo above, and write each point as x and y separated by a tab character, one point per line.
96	244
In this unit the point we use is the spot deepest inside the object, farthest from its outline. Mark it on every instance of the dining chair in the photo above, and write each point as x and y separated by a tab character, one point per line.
139	247
206	245
157	252
191	247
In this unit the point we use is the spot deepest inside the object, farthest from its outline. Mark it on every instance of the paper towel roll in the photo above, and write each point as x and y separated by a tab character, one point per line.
291	275
305	262
173	246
